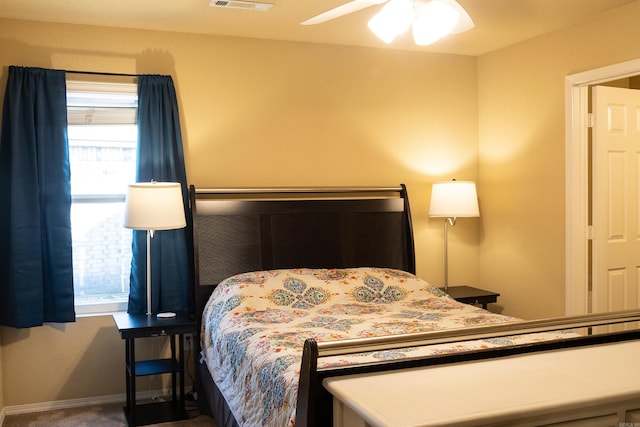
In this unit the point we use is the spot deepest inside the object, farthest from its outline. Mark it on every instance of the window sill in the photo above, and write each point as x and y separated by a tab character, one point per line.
100	309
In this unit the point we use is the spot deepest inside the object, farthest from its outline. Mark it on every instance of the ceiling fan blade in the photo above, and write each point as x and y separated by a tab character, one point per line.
345	9
465	22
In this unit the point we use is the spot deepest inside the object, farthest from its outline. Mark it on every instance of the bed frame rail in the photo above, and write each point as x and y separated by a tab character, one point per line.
314	406
299	190
340	347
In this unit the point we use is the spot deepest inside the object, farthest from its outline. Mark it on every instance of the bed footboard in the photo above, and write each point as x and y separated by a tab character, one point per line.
315	403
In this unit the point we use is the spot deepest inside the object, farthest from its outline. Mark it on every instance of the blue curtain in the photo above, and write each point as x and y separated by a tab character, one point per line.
161	158
36	273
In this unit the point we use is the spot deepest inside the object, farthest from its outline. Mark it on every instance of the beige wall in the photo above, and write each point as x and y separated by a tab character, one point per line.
62	361
522	156
59	362
259	113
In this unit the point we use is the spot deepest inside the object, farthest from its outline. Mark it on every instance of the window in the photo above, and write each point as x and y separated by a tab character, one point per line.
103	132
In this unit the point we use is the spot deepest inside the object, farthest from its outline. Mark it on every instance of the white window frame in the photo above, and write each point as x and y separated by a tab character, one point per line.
98	100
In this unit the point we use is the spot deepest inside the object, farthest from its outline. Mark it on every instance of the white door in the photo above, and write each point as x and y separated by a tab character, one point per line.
615	202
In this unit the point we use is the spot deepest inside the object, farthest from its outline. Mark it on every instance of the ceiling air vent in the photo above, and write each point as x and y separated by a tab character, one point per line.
238	4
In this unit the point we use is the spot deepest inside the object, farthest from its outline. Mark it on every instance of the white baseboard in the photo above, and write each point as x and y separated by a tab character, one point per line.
74	403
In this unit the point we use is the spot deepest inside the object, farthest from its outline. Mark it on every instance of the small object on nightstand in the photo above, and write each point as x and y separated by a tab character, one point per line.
166	315
135	326
471	295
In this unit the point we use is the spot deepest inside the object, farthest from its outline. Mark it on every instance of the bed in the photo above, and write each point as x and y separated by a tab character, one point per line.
319	283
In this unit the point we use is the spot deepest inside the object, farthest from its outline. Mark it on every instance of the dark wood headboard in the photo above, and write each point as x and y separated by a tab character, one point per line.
242	230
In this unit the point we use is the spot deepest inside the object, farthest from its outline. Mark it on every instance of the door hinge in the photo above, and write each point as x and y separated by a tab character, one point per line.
590	232
590	120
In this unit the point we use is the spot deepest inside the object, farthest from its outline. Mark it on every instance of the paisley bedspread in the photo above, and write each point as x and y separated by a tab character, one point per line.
255	324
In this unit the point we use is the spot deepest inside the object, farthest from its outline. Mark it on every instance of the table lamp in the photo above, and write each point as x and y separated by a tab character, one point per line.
451	200
154	206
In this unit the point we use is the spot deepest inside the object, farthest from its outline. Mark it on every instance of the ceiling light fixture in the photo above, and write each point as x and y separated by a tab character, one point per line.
430	20
241	4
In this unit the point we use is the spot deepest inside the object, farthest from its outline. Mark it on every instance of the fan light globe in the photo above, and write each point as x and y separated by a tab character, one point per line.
381	28
394	19
432	21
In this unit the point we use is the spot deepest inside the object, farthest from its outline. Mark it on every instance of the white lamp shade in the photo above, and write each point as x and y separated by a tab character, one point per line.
154	206
454	199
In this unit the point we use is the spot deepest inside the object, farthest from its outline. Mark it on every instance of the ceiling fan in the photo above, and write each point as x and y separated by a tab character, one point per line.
430	20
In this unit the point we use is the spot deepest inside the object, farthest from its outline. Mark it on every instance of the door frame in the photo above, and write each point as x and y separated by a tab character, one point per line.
577	179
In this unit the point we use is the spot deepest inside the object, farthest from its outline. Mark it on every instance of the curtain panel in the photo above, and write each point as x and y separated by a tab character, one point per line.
36	272
161	158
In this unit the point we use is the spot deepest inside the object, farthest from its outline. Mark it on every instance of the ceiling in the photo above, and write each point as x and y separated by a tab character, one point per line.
499	23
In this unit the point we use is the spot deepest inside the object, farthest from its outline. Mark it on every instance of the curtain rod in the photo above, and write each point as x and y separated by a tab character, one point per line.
101	73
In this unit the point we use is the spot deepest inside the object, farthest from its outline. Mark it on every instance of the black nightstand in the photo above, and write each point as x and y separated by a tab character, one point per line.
132	326
471	295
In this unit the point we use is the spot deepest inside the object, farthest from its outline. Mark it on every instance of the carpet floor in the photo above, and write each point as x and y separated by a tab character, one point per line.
107	415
